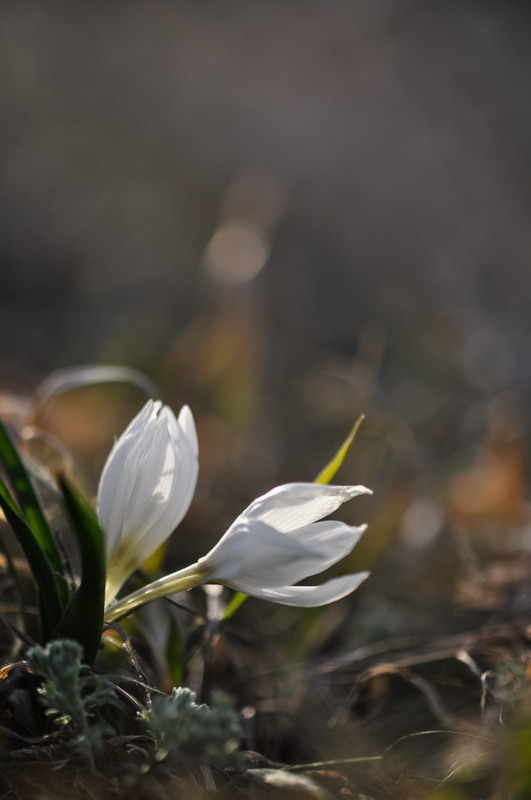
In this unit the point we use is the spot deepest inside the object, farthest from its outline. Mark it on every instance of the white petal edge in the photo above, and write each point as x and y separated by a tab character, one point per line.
164	494
132	483
186	421
113	465
305	596
294	505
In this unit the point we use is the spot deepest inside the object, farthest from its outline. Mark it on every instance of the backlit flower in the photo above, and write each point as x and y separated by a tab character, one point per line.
145	488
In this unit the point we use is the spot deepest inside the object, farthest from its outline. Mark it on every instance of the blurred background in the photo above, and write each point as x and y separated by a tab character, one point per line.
287	214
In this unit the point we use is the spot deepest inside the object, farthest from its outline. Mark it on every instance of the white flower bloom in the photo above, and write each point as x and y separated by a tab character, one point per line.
278	541
145	488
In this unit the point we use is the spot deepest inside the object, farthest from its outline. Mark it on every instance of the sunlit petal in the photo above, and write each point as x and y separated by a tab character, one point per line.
145	488
187	425
296	504
115	478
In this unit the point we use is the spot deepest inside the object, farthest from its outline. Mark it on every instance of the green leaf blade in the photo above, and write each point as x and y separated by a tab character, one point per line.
328	473
30	509
237	600
83	617
50	603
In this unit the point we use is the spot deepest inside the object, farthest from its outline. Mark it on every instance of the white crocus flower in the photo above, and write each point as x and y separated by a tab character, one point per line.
278	541
145	488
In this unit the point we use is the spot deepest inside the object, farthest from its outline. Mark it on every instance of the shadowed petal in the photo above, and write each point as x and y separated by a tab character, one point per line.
263	556
306	596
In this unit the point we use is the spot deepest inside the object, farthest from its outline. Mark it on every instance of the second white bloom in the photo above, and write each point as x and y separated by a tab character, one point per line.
145	488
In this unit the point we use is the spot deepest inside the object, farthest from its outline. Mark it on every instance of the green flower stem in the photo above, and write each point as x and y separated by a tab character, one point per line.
180	581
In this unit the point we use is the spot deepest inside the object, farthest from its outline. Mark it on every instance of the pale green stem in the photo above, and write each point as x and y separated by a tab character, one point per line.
180	581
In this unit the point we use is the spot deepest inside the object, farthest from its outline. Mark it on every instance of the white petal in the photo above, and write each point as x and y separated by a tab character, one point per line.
259	554
116	475
113	583
160	513
146	488
133	488
329	541
307	596
187	424
296	504
262	556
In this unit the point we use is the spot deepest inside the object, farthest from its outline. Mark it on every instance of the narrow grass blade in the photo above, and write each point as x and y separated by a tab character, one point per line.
65	380
49	600
30	508
83	618
237	601
335	762
328	472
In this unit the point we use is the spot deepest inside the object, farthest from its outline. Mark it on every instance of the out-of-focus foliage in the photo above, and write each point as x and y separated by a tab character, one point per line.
187	733
69	700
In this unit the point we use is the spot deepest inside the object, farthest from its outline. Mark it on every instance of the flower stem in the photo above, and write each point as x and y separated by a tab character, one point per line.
180	581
